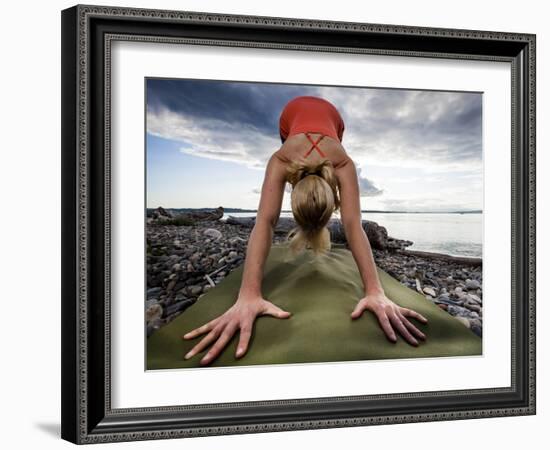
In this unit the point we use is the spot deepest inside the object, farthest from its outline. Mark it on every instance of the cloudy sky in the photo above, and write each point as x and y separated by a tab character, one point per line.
208	143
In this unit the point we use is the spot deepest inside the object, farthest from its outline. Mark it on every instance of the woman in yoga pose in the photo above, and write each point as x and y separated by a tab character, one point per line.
324	180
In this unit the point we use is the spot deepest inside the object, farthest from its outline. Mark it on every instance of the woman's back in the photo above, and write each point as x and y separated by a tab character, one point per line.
298	148
311	128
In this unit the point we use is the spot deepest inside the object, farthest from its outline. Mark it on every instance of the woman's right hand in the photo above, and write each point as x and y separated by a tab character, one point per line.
241	317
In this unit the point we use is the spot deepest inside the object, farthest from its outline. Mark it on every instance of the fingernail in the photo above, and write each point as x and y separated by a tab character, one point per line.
189	354
239	352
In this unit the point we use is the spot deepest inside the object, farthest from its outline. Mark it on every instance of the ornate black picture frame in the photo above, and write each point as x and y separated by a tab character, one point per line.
87	34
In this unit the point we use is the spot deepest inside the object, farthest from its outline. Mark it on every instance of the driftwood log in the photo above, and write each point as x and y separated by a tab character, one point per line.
377	234
215	214
471	261
162	214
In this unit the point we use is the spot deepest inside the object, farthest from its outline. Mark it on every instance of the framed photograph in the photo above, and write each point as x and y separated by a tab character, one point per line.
259	214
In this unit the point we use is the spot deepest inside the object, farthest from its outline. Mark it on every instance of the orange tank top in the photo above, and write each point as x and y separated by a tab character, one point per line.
307	113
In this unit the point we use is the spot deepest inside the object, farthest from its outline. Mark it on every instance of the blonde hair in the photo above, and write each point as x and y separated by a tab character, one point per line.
314	198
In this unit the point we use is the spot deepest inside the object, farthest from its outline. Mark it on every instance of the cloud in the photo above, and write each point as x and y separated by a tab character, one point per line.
367	187
213	138
236	104
389	127
433	204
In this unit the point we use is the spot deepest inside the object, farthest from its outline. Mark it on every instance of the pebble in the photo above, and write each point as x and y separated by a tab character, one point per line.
178	307
213	233
153	313
153	291
195	290
475	298
476	326
463	321
473	307
472	284
171	285
430	291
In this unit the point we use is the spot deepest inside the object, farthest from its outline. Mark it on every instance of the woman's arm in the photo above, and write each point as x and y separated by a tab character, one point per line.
358	242
390	315
261	235
250	303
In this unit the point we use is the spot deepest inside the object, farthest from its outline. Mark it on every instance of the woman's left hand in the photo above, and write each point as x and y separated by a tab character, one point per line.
391	317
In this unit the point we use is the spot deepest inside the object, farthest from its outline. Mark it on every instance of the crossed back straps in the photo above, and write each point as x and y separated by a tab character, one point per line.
314	145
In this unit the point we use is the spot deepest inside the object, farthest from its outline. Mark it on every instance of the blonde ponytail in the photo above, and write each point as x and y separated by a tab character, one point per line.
314	198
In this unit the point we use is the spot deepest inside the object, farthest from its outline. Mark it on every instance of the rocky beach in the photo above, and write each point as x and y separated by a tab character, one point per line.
189	253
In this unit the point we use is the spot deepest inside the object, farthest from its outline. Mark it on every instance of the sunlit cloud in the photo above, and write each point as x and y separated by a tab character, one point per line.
367	187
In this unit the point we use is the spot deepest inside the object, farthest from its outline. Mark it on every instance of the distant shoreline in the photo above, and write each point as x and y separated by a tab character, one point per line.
373	211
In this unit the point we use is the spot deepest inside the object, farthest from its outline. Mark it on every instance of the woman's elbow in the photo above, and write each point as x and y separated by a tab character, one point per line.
267	222
352	224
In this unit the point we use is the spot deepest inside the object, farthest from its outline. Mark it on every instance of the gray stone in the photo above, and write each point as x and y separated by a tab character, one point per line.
213	233
196	290
473	307
472	284
153	313
150	302
461	311
463	321
429	291
178	307
153	291
171	285
475	298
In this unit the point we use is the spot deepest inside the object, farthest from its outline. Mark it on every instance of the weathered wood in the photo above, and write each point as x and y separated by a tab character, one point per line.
215	214
160	214
458	259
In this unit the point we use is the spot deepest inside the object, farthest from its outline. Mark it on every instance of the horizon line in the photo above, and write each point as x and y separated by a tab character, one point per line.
363	210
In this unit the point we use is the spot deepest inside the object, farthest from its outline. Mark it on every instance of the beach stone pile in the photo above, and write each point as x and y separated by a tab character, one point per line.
452	286
185	261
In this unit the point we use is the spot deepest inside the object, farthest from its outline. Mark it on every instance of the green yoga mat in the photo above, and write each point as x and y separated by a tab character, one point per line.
320	292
